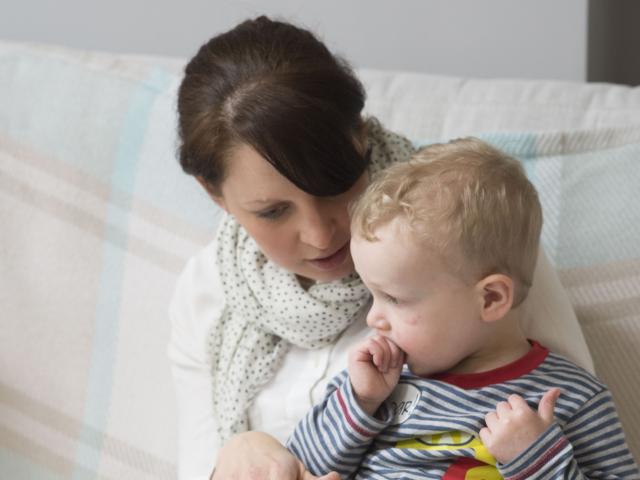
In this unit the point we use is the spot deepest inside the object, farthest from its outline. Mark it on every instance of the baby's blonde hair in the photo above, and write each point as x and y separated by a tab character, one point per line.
465	200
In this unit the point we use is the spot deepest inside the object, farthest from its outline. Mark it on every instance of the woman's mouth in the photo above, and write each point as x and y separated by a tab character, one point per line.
332	261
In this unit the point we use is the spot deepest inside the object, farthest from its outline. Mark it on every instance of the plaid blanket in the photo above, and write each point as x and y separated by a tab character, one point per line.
97	221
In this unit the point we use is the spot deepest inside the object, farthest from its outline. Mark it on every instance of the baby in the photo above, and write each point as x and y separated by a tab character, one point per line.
447	244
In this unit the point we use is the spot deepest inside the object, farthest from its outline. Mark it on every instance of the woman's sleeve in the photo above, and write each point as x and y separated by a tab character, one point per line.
197	301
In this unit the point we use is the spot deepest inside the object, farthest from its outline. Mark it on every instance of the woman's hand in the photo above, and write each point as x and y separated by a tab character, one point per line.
374	371
258	456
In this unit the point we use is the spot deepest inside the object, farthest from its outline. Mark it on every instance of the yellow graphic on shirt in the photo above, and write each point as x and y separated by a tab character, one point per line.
488	472
451	441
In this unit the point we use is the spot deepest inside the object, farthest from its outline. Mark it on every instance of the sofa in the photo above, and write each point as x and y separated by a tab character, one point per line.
97	220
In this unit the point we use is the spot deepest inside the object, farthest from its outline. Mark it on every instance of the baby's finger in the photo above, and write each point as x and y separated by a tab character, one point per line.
386	348
374	351
378	352
484	434
361	352
517	402
548	404
491	420
503	409
397	355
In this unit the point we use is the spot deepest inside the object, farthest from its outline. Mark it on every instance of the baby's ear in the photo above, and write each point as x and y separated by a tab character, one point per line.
495	296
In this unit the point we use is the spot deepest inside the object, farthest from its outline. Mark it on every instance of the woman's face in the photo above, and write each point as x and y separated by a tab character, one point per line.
304	234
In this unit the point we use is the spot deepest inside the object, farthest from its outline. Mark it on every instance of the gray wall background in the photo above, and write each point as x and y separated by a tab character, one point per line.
549	39
487	38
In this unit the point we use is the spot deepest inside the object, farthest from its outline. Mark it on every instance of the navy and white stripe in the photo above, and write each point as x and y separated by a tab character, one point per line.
585	442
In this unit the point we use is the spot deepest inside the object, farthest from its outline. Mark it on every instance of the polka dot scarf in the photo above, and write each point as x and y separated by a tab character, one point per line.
267	310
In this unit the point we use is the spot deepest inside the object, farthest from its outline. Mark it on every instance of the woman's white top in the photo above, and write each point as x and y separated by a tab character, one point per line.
198	300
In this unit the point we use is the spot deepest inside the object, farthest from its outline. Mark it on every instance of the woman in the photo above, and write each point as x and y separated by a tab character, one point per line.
270	125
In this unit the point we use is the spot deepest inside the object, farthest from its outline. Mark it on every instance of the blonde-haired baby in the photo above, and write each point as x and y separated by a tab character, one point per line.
448	386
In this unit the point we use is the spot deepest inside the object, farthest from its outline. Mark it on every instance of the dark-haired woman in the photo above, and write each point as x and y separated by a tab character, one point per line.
271	126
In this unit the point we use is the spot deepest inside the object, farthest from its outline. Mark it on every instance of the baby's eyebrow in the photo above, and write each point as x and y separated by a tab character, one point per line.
375	285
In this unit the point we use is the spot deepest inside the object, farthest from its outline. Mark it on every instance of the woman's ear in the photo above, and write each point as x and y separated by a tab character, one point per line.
215	196
496	296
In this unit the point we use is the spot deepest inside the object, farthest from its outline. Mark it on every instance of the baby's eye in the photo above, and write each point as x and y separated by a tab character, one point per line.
272	213
388	298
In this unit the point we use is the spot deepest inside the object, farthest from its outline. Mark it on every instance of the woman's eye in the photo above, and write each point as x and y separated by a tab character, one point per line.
272	213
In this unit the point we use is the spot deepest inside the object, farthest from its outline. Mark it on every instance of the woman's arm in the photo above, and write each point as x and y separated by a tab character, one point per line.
197	438
196	302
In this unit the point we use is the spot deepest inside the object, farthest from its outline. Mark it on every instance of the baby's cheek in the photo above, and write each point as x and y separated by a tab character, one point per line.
411	343
412	320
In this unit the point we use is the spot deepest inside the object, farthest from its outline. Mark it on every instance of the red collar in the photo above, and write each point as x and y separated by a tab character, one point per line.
525	364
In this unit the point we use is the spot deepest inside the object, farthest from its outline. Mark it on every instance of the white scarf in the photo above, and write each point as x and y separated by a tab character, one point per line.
267	310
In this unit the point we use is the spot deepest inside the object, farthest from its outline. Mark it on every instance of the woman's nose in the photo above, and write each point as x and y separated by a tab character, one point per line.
318	228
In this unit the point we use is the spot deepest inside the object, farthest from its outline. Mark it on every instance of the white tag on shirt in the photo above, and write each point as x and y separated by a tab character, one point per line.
402	401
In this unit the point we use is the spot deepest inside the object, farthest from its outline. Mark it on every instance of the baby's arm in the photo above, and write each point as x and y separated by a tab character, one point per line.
336	433
591	445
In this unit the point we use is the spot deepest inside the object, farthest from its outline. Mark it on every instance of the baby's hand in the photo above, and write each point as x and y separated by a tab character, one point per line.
374	370
514	426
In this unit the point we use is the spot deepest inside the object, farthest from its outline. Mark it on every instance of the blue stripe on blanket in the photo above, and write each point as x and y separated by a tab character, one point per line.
105	339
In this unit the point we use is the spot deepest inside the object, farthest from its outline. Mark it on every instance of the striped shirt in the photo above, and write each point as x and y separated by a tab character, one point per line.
429	427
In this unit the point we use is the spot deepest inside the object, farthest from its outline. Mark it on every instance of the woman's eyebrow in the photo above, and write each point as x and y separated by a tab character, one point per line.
261	201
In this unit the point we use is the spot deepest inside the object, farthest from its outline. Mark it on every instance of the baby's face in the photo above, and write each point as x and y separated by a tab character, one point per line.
430	313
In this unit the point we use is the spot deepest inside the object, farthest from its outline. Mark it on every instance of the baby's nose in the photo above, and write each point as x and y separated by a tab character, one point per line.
377	322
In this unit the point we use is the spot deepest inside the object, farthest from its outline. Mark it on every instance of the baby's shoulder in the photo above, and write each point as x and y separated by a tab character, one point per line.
561	372
580	390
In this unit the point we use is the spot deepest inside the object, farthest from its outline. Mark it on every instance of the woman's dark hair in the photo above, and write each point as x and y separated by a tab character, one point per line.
275	87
